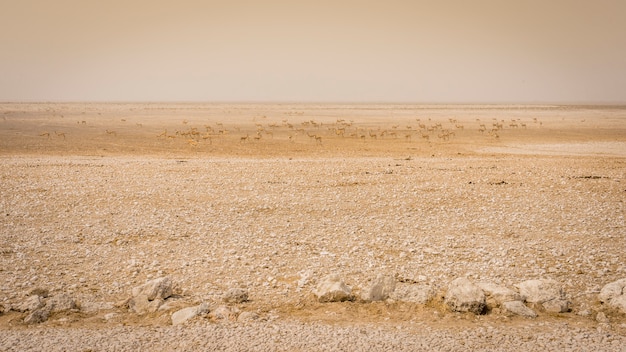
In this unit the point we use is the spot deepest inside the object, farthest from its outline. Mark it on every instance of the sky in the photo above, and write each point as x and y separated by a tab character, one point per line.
413	51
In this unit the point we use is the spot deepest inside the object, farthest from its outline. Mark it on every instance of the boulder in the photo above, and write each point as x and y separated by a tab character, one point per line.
60	303
539	291
464	296
380	289
405	292
556	306
148	297
30	304
496	294
614	295
37	316
547	293
141	305
160	288
518	308
183	315
332	289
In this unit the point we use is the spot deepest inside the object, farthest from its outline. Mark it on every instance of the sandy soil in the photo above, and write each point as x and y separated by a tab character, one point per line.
96	199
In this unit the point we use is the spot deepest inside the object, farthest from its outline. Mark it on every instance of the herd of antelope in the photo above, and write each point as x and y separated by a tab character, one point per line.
308	130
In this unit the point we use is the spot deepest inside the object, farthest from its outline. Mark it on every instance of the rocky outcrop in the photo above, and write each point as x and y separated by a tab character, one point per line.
464	296
614	295
507	299
332	289
413	293
546	293
518	308
380	289
148	297
185	314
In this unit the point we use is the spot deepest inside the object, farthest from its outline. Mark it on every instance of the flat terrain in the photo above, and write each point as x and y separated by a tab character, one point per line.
96	199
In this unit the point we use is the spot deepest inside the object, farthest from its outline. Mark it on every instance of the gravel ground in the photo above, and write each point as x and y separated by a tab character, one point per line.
94	226
293	336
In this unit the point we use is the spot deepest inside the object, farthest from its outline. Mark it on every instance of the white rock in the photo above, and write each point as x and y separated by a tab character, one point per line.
405	292
556	306
160	288
380	289
185	314
30	304
37	316
518	308
332	289
548	293
499	294
464	296
60	303
614	295
540	291
141	305
612	290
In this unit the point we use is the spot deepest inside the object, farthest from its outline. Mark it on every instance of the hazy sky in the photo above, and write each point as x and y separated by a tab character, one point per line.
348	51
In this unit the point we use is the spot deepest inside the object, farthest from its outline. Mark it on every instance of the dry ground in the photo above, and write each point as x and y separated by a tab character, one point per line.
98	198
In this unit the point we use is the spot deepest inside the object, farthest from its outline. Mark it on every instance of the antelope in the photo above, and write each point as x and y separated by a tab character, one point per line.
244	138
60	134
111	132
318	139
407	136
45	134
372	135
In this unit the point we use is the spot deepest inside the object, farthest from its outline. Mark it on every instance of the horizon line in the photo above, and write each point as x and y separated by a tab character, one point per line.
306	102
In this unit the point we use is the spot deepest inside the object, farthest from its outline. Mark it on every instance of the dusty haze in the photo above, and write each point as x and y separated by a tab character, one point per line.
410	51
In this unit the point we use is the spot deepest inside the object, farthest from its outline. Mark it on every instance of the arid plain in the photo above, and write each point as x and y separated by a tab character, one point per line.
97	199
